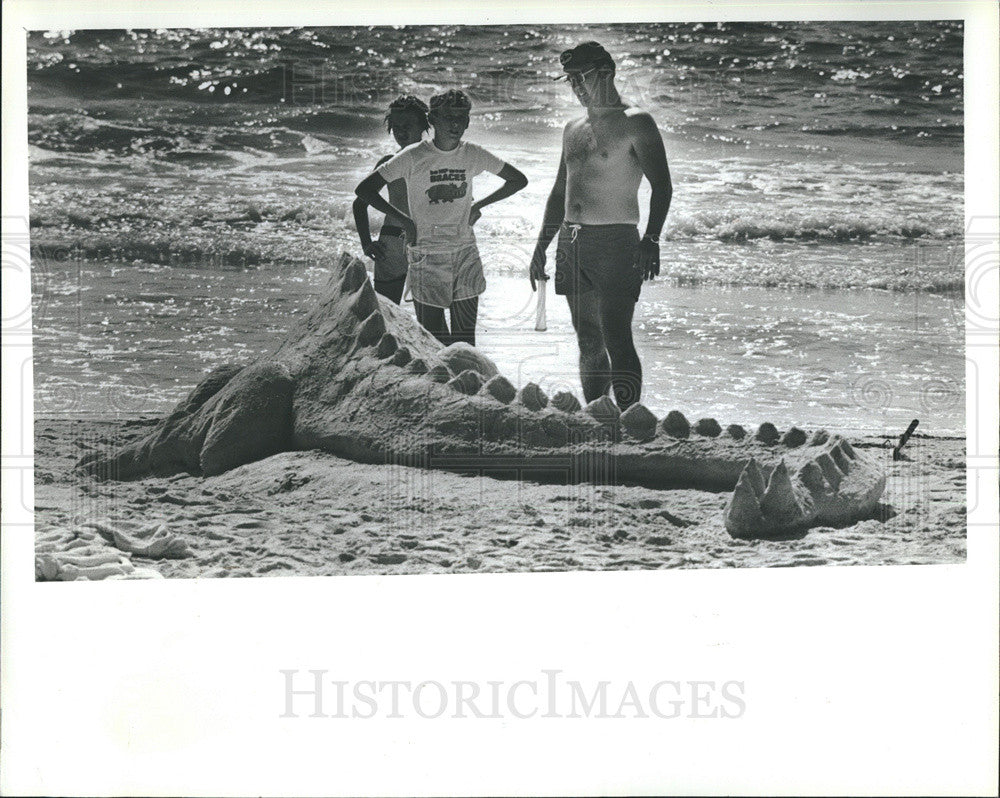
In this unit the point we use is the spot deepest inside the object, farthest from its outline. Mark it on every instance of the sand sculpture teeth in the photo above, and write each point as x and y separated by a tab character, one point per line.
793	438
500	388
459	357
532	397
603	410
736	432
708	427
439	373
371	331
676	425
401	356
358	368
365	301
639	422
565	401
355	276
819	437
418	366
468	382
387	346
767	433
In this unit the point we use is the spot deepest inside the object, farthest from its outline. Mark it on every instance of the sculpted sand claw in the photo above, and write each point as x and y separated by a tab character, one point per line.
824	487
368	383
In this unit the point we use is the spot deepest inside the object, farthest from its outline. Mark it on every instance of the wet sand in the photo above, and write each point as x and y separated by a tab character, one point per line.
310	513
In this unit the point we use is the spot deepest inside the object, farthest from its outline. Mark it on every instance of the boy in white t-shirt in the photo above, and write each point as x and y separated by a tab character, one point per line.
444	266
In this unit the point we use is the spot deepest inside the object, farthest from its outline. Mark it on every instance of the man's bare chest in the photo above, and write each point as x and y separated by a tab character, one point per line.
586	145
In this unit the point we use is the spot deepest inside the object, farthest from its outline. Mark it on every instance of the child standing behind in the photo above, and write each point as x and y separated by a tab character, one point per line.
406	119
444	265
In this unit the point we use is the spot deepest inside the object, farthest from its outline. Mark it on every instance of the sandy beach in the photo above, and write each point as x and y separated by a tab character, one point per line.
309	513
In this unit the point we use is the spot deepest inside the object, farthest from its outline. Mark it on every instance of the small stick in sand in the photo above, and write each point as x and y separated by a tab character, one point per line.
904	438
540	308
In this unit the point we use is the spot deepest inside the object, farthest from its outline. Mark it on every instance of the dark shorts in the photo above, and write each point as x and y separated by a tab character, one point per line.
598	257
393	265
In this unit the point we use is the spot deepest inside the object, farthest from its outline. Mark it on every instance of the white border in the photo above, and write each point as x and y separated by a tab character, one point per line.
859	680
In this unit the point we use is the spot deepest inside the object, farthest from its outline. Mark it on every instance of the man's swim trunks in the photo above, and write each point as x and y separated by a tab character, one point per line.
599	257
442	277
393	265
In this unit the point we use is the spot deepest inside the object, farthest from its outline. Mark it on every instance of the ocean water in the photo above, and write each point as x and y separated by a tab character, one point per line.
190	188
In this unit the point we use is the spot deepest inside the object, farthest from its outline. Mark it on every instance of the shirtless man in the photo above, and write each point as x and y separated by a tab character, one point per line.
601	261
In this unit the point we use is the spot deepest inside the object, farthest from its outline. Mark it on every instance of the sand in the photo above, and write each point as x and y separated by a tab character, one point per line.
310	513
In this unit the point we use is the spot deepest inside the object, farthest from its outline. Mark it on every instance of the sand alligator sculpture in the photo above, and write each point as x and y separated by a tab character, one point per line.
359	378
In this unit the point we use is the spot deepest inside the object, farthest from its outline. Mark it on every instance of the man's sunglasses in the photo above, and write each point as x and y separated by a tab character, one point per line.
575	76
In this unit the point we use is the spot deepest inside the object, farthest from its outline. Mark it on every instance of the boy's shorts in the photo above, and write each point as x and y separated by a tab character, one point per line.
393	265
598	257
441	278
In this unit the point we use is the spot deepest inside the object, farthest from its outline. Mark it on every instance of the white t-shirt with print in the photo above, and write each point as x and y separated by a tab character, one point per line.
439	189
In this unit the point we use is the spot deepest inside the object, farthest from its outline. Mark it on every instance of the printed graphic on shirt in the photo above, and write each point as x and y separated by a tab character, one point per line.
446	192
439	188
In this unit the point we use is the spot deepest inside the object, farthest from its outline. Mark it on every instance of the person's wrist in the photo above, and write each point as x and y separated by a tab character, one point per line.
652	239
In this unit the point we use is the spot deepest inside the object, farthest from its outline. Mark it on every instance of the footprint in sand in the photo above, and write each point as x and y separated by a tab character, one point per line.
805	558
272	566
508	543
389	559
673	519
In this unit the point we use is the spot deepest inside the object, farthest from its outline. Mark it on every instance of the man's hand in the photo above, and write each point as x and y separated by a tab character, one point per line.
475	214
537	269
374	250
647	259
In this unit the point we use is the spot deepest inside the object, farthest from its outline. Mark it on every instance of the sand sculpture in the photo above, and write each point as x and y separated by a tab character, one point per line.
359	378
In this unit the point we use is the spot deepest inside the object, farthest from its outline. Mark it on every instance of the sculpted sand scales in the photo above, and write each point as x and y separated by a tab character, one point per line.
359	378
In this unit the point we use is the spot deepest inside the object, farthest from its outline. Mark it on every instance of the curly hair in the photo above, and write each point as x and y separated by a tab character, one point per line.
407	102
453	98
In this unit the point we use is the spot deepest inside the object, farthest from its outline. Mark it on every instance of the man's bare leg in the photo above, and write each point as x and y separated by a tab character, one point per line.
616	311
595	366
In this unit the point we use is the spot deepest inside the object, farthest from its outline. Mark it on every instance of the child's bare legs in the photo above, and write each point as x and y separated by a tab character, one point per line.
463	314
432	319
463	320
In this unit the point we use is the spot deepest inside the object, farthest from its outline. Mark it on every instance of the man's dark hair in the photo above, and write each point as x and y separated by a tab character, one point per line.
587	55
407	102
453	98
